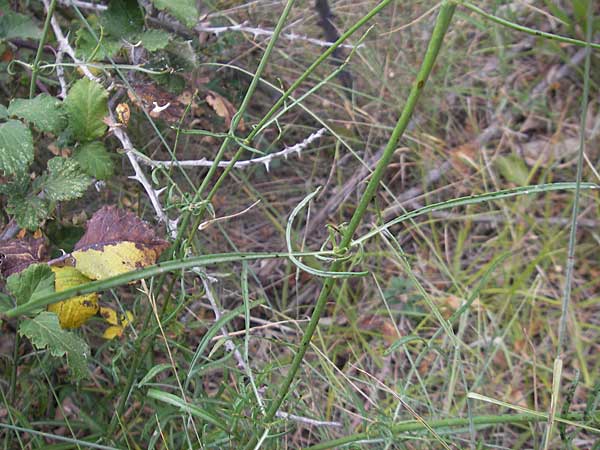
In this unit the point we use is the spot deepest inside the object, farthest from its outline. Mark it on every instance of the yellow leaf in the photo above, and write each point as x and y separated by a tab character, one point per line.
113	259
112	332
118	324
75	311
115	242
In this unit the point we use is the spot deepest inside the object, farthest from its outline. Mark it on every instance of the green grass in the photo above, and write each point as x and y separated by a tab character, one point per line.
469	328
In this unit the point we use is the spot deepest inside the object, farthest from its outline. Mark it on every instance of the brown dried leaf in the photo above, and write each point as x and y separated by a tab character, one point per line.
159	103
115	242
223	108
17	254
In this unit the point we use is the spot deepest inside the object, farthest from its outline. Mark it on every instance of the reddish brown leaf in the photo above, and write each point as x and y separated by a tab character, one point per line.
110	225
17	254
160	103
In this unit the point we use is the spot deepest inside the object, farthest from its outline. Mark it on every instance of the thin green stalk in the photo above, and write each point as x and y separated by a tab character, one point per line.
198	194
562	327
36	63
441	26
532	31
12	389
148	272
414	425
575	212
280	102
235	121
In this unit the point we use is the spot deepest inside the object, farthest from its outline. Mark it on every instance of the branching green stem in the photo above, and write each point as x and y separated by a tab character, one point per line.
441	26
38	56
197	196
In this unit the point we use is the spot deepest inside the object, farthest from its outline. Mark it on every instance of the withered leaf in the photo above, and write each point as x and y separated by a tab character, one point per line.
159	103
223	108
115	242
18	254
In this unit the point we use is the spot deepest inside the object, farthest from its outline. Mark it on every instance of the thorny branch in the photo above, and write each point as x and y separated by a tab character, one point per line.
256	32
242	27
265	160
119	133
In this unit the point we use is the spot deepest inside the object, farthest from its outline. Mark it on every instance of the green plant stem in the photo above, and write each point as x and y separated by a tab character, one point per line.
187	216
414	425
235	121
12	390
575	212
532	31
36	63
441	26
280	102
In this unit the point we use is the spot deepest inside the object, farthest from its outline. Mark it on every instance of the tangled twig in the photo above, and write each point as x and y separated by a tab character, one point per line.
119	133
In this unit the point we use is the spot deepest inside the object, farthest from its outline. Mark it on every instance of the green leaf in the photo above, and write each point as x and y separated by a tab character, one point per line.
513	169
44	112
88	48
29	211
3	112
35	281
64	180
123	18
183	10
44	331
16	147
87	106
14	25
153	40
6	303
94	160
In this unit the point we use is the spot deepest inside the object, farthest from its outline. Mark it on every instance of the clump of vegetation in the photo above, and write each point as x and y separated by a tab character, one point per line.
299	225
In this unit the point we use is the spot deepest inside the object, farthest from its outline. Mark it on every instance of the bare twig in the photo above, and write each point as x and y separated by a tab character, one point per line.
256	32
84	5
265	160
241	363
208	223
66	47
119	133
306	420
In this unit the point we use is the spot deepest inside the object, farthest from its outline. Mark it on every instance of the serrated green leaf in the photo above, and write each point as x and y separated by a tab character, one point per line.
14	25
123	18
94	160
35	281
44	332
29	211
153	40
16	147
88	48
44	112
64	180
183	10
86	107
